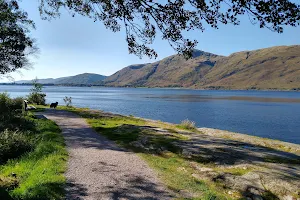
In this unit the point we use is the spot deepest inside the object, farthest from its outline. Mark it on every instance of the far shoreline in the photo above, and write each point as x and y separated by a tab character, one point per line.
164	88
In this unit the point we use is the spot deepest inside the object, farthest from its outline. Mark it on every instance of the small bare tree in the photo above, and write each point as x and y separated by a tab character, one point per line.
68	101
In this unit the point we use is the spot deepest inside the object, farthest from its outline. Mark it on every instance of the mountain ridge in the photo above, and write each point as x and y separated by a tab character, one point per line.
79	79
268	68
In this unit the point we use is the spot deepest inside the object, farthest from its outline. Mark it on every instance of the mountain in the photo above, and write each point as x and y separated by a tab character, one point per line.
269	68
80	79
173	71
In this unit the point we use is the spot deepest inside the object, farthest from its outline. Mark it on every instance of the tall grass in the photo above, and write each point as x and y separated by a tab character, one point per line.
187	124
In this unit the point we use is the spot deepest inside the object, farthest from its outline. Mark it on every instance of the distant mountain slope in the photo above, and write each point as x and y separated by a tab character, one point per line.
80	79
172	71
270	68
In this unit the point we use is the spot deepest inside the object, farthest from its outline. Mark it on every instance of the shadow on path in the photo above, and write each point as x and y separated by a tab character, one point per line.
98	169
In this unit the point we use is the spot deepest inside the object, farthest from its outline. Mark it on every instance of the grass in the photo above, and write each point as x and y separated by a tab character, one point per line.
158	150
237	171
157	143
37	174
187	124
176	173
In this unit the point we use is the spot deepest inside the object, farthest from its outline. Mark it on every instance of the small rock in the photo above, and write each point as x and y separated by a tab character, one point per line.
257	197
163	149
196	176
182	169
287	197
205	169
185	152
254	191
144	140
137	144
13	174
31	108
230	192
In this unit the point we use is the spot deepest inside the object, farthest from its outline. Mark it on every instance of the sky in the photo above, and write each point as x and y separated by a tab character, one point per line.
73	45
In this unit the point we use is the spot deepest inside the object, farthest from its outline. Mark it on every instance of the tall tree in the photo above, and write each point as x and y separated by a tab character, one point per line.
15	44
142	19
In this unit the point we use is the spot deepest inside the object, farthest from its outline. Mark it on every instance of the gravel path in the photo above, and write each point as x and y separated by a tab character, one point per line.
98	169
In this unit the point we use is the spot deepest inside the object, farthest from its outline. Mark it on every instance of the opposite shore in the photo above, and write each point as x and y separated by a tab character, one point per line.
178	88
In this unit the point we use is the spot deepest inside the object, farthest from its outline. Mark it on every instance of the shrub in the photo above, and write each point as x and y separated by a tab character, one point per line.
36	96
9	108
68	101
13	144
188	124
17	103
5	104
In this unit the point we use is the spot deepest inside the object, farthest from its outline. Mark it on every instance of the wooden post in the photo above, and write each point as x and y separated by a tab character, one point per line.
25	105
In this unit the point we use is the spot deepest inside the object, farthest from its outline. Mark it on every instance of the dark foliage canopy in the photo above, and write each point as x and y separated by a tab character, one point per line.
15	45
143	19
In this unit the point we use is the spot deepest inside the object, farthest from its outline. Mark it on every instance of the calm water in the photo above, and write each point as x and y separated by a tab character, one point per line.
267	114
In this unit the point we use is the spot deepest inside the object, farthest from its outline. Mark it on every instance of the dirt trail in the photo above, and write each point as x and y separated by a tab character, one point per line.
98	169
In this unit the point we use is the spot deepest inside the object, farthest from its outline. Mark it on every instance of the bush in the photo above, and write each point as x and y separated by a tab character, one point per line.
13	144
5	103
17	103
68	101
188	124
9	108
37	98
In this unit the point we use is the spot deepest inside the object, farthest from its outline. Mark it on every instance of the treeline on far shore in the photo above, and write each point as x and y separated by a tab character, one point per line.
131	86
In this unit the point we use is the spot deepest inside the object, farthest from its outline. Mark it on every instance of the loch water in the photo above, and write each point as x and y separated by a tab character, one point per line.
270	114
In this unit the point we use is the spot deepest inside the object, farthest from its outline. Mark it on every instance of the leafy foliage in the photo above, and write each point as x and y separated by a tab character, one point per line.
36	96
14	140
143	19
9	108
38	174
15	44
13	144
32	154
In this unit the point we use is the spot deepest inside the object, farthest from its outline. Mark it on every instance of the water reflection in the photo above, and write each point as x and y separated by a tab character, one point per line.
200	98
272	114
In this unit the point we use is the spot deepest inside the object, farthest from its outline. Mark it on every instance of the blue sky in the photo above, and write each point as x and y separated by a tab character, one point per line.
69	46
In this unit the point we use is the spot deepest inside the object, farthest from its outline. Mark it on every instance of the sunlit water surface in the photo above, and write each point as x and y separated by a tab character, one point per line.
268	114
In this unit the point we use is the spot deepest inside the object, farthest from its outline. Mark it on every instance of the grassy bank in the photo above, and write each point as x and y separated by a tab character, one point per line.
199	166
38	172
157	150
